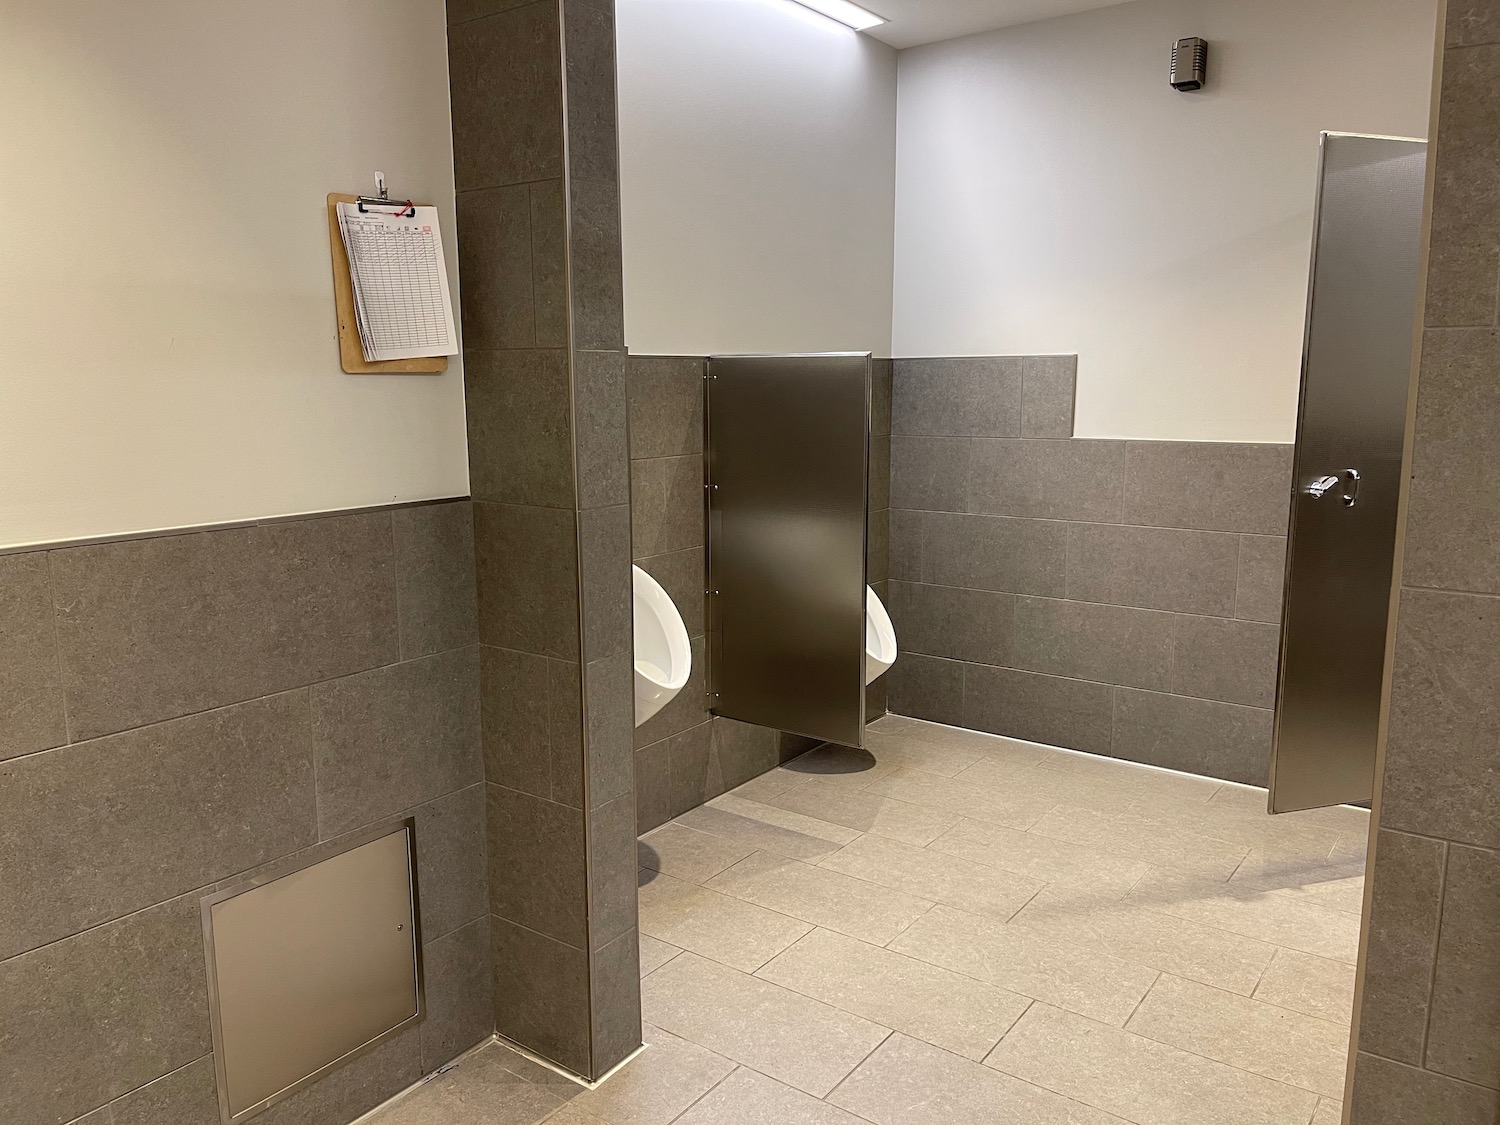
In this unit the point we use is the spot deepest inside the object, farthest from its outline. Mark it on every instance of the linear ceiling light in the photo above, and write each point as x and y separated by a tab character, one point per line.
850	15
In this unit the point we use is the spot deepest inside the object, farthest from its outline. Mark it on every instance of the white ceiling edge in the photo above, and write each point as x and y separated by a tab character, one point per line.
917	22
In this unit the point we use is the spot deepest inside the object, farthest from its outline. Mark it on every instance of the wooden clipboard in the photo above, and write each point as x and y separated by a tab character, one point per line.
351	354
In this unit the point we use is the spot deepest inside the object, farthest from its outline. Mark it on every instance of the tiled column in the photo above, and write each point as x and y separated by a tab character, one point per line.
533	90
1428	1030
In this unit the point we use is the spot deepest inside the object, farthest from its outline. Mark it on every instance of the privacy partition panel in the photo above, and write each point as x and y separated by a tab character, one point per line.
788	468
1356	375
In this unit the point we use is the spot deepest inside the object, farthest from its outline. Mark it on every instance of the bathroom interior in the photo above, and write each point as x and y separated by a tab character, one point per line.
947	575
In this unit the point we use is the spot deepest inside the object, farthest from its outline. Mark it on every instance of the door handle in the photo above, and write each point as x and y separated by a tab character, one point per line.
1324	485
1320	487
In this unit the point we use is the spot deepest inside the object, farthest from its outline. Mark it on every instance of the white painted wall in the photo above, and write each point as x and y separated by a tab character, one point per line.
166	309
757	179
1054	194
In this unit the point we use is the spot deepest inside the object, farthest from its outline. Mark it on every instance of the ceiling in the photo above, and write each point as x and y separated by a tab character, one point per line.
913	22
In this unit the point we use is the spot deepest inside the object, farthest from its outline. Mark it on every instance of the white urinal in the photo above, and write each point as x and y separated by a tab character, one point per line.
663	656
880	638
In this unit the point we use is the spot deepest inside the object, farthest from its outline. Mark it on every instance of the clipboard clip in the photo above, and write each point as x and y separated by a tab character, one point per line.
383	199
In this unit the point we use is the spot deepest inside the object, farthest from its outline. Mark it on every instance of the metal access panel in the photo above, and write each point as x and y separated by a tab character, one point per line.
311	966
788	476
1356	379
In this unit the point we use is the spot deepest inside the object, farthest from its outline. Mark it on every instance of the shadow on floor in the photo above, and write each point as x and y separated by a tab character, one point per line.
647	861
831	758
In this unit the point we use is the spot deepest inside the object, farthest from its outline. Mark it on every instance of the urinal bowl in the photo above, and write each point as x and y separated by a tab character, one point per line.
663	655
880	638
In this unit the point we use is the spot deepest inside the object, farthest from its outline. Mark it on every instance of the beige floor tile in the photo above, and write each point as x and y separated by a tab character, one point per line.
1068	976
1012	808
824	898
1139	1079
1351	847
655	954
719	926
769	784
1039	857
1346	895
686	853
480	1091
781	818
1261	1038
1279	839
1133	933
782	1034
568	1115
1314	985
905	752
1241	798
535	1072
1131	776
755	832
867	812
748	1098
995	747
912	996
1341	882
1148	838
1329	1113
908	1082
893	722
1265	916
656	1085
959	883
839	767
1341	818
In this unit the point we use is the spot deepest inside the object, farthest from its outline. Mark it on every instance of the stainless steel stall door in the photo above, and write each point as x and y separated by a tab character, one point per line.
1356	377
788	451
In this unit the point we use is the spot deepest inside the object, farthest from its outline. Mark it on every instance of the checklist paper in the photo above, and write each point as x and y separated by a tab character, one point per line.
400	282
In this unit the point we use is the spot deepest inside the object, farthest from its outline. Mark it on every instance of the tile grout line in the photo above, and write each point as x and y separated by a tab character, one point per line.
57	652
200	712
1149	989
733	1070
1210	1058
312	753
897	936
1260	978
1263	941
1180	1050
1437	944
233	876
1255	999
883	1040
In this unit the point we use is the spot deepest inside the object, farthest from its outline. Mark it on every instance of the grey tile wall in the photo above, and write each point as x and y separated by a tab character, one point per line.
1118	597
685	756
1428	1025
534	127
235	698
135	651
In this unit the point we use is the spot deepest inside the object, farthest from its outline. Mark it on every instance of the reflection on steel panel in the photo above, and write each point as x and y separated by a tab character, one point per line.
788	449
310	967
1357	362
